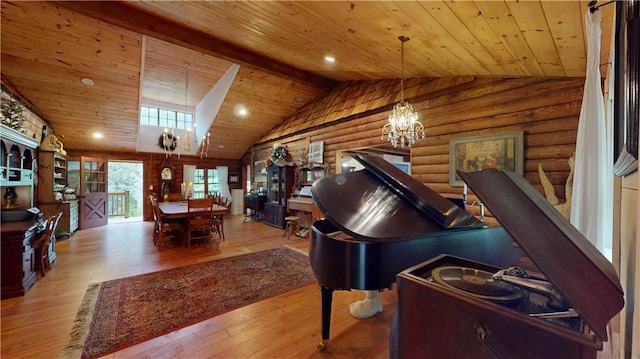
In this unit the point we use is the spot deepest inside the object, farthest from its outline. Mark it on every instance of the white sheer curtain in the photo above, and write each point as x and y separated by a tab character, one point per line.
223	181
592	200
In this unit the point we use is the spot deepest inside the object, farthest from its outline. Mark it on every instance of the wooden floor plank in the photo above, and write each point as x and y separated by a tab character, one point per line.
285	326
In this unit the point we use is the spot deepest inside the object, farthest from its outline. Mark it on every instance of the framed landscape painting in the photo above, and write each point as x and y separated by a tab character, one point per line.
504	151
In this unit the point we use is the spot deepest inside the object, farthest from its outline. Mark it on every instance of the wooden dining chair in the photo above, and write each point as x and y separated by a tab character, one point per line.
218	218
199	219
164	229
42	243
156	228
216	197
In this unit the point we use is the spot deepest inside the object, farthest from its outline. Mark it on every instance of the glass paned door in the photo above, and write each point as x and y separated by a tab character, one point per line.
93	192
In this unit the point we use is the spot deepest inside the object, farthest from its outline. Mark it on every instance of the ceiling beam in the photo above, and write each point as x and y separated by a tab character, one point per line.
130	18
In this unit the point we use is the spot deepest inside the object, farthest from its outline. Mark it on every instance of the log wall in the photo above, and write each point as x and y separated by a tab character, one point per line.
151	166
352	116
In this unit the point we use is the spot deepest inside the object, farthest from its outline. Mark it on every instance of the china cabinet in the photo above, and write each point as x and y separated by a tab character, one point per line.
17	166
53	188
53	176
279	186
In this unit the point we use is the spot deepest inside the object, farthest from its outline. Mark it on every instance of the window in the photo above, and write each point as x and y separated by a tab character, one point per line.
152	116
205	181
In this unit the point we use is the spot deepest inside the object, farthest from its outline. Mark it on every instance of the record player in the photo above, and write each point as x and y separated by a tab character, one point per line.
452	307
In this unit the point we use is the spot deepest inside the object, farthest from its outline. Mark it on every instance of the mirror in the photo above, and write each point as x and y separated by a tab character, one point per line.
400	157
259	176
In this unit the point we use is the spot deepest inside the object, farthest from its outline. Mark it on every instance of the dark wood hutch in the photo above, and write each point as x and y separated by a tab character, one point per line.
18	168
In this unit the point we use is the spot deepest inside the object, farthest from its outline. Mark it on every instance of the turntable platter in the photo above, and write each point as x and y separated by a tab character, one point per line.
477	283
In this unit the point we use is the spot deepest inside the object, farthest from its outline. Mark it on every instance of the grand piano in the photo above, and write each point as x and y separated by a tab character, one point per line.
380	221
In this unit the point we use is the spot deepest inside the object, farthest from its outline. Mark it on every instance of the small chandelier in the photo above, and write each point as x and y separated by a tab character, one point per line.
204	146
169	142
403	126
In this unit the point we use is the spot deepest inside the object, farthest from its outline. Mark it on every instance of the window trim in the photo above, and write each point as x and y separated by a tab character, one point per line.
176	115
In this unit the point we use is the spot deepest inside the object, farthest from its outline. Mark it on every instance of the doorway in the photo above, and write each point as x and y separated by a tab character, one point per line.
88	176
126	193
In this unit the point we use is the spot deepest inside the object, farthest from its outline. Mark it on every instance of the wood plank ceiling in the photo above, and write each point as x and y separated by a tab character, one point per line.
171	53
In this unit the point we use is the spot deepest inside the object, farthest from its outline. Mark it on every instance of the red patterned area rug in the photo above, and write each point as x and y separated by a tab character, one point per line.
123	312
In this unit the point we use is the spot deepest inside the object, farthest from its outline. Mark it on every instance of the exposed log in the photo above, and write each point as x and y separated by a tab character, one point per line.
484	106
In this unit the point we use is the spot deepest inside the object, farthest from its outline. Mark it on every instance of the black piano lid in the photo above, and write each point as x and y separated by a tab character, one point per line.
568	260
381	203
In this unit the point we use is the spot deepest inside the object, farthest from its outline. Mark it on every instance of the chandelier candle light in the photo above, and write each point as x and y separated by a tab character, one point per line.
187	140
204	150
186	132
403	125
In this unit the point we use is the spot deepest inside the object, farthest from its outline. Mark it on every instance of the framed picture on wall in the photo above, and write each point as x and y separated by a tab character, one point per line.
260	171
472	154
234	179
316	150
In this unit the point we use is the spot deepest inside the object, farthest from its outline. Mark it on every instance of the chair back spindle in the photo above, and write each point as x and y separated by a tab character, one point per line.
199	219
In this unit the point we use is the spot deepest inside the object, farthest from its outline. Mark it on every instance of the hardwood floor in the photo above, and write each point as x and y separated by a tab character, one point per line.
286	326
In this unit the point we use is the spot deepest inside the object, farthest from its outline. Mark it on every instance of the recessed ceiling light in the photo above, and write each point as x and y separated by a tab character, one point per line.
97	135
330	59
240	110
86	81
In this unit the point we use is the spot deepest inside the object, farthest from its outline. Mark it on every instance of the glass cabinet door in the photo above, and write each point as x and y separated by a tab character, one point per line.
274	185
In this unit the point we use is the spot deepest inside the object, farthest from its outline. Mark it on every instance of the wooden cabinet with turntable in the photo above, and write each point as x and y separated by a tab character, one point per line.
452	307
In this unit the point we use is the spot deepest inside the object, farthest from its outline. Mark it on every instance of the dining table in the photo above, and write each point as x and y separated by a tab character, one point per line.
176	210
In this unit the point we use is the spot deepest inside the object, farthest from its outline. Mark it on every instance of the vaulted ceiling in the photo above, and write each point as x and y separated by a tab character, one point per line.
173	53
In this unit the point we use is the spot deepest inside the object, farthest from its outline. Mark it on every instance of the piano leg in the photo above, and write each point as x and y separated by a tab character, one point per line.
368	307
327	298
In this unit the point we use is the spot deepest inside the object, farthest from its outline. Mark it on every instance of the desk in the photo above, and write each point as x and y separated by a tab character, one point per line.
174	210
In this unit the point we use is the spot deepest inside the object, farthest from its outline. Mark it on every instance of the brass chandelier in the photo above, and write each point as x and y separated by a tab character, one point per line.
403	126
